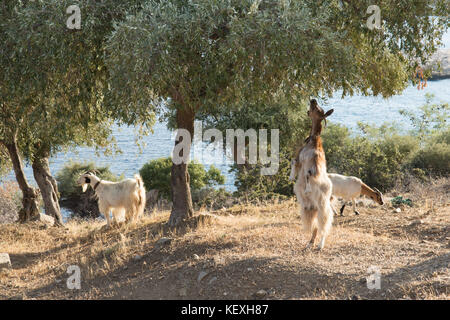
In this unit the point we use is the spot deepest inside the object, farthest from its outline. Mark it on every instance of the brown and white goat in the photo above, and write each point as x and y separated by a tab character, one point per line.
313	187
349	188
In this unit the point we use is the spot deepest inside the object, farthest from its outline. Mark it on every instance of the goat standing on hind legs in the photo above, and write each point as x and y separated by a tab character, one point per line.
313	187
124	199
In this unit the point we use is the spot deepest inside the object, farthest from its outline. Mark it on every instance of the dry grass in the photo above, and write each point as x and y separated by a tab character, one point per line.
242	249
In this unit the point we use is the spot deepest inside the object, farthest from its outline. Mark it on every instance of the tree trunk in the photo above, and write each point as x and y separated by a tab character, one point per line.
182	207
49	188
30	203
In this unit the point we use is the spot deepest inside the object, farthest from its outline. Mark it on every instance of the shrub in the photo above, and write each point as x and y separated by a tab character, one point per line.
156	175
81	204
251	185
376	158
210	197
67	177
434	159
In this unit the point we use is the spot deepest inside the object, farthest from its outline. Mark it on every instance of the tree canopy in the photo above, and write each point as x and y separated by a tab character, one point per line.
53	81
203	55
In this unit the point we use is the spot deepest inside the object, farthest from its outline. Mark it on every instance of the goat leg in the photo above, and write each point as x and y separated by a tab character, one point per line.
342	210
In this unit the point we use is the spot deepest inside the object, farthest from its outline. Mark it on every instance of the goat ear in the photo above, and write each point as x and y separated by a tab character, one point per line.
84	187
329	112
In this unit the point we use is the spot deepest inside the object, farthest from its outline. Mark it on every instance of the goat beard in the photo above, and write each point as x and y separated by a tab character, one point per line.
84	187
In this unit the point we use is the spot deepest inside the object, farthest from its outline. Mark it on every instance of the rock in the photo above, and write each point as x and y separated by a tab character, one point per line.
46	219
137	257
182	292
196	257
213	279
250	269
398	210
417	222
201	275
356	297
164	241
5	262
261	293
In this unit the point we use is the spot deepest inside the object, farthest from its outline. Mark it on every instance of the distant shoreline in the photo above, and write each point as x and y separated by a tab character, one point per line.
442	57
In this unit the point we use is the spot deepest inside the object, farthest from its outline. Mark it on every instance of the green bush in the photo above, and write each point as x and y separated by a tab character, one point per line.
210	197
156	175
379	160
67	177
251	185
433	159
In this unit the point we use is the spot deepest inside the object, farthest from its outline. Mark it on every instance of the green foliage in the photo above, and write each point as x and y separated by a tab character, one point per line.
52	99
433	159
156	175
378	161
382	155
251	185
208	54
67	178
210	197
398	201
431	119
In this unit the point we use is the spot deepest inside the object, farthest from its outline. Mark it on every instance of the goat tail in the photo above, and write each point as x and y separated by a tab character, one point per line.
140	190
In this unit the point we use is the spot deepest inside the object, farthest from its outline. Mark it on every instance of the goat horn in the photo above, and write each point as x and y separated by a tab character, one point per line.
93	171
377	190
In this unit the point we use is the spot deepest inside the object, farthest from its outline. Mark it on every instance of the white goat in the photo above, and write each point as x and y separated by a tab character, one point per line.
125	199
349	188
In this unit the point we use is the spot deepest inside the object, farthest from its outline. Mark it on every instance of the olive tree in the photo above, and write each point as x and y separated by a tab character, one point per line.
198	55
52	86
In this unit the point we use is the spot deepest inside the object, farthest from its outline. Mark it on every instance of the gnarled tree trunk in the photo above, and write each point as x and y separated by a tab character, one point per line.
30	203
182	207
49	188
